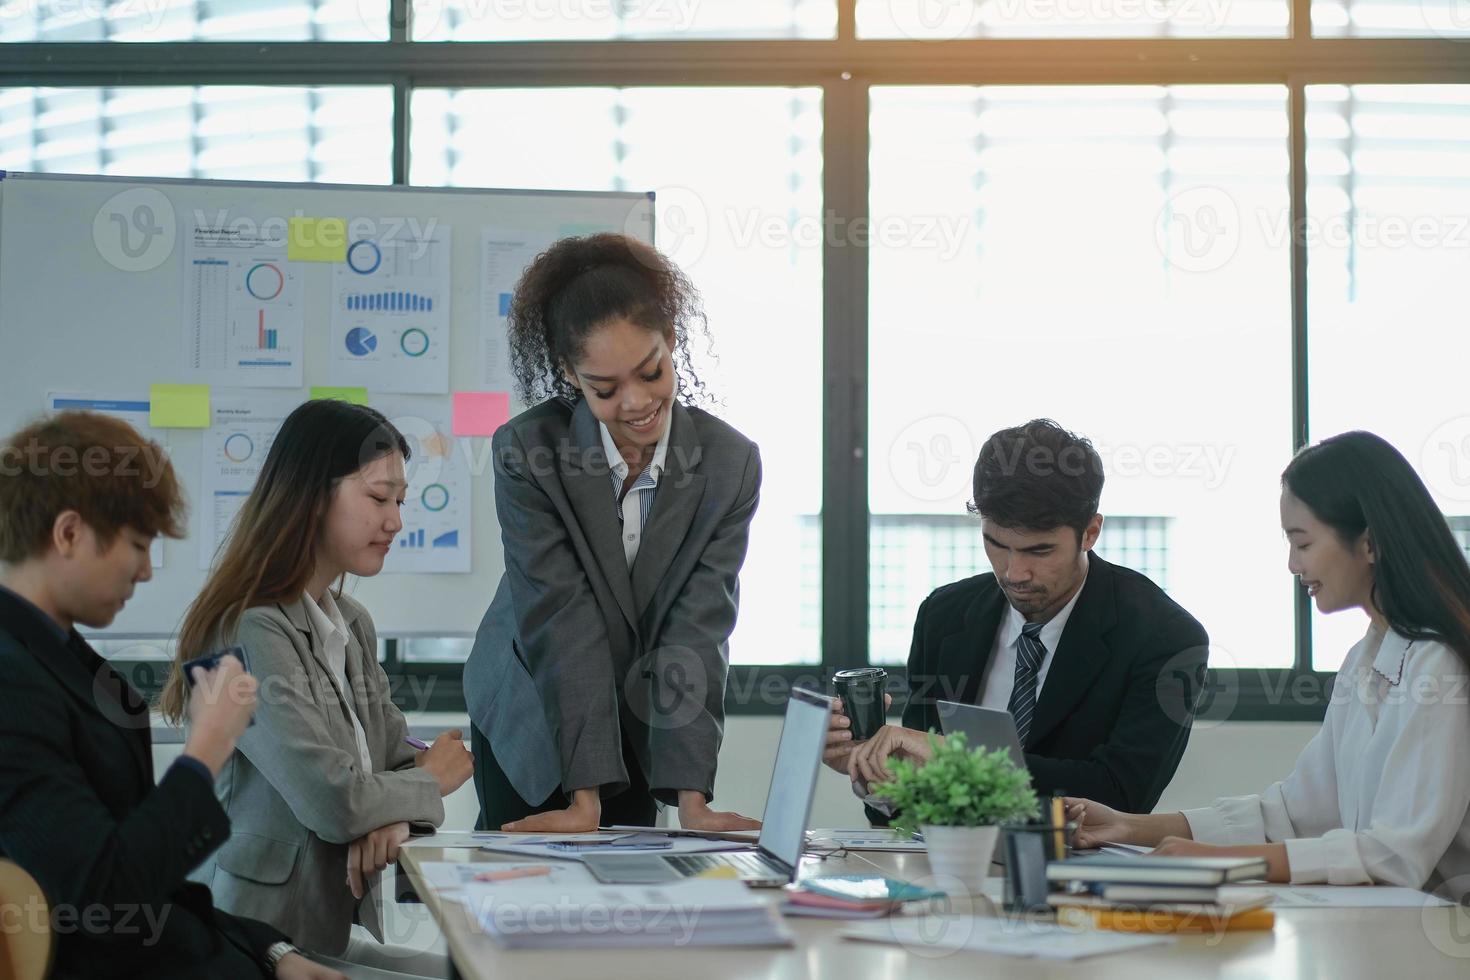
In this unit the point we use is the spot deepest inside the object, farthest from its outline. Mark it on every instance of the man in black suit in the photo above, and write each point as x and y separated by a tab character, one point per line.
1100	669
79	809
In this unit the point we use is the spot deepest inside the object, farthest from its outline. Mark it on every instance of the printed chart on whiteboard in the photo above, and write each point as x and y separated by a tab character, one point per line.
390	314
235	446
243	319
437	516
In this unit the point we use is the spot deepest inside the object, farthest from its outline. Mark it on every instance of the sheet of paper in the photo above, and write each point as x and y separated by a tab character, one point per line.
452	876
504	255
390	312
243	319
1008	937
534	846
438	519
1339	896
863	840
235	447
134	410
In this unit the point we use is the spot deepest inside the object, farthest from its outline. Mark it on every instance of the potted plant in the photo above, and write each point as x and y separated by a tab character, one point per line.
958	800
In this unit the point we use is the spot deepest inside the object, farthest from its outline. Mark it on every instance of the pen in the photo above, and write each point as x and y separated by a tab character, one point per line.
1058	821
534	871
417	743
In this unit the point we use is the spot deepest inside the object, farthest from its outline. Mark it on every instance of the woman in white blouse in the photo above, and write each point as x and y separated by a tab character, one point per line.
1381	794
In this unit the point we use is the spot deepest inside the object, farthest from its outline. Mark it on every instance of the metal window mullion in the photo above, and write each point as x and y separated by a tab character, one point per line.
1300	407
844	391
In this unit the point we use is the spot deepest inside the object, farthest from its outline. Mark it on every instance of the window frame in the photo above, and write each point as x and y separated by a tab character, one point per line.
845	68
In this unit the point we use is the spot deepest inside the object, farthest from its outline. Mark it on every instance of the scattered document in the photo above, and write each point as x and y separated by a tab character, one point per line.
454	876
1008	937
390	312
438	519
680	915
576	846
243	319
1341	897
235	446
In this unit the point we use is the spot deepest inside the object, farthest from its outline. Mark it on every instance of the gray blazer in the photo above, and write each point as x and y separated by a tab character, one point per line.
294	789
574	649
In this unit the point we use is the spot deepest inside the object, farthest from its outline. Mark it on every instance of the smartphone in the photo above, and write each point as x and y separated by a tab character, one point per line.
211	660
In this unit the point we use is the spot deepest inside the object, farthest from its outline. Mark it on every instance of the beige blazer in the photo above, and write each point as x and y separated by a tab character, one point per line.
295	790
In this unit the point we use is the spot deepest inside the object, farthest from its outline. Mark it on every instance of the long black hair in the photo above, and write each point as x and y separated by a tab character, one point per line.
1355	483
270	552
579	284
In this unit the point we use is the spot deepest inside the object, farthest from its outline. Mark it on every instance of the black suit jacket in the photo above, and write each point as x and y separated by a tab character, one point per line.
79	810
1114	714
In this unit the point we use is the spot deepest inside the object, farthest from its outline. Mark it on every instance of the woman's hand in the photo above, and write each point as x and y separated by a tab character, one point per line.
1099	824
869	760
1278	868
370	854
448	761
695	814
581	817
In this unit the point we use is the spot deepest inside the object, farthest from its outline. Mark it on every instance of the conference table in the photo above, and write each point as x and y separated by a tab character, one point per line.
1402	944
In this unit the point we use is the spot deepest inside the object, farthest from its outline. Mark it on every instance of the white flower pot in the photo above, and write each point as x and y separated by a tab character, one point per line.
960	857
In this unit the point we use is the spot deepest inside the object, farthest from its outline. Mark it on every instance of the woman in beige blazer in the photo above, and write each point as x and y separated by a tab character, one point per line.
323	788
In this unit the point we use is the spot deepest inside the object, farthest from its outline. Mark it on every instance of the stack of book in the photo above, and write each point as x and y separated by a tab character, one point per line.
1144	893
852	896
687	913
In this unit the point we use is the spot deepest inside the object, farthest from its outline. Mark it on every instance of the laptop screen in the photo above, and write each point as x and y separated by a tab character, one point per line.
794	780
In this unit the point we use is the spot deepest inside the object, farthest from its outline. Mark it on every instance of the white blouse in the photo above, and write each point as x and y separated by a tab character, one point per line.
1381	794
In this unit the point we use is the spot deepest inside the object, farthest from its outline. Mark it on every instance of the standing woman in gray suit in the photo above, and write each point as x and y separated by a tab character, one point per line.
322	789
597	680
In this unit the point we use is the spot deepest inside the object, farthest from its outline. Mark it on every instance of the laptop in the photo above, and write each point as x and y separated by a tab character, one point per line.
987	727
777	856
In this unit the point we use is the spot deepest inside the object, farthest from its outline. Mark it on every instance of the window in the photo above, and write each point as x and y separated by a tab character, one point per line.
193	20
745	226
1388	242
334	135
1390	18
951	19
583	20
1111	258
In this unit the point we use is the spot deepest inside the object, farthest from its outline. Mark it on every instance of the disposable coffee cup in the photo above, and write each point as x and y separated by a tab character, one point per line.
861	691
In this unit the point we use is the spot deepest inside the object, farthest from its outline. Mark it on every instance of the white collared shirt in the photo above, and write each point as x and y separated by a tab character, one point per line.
1000	676
1381	794
330	630
633	507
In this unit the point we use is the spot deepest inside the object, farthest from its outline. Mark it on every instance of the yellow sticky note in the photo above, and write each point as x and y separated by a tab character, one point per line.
357	396
178	406
316	240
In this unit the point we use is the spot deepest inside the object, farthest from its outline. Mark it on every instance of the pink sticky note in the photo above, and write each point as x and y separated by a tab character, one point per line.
480	413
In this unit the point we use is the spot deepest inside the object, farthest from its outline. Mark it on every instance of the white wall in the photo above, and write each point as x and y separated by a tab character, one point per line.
1222	759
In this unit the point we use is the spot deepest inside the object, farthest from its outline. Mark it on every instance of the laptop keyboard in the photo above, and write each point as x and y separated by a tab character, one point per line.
751	864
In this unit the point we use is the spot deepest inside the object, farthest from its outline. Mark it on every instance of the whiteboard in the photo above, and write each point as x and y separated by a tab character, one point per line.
72	320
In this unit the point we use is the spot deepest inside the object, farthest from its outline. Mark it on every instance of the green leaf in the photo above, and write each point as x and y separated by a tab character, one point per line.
959	787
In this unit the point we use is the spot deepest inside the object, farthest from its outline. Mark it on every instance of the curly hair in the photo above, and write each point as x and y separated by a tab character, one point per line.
579	284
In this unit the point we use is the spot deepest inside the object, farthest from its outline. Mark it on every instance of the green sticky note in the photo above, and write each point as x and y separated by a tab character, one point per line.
178	406
357	396
316	240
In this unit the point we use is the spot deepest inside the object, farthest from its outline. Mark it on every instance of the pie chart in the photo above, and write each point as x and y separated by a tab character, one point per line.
361	342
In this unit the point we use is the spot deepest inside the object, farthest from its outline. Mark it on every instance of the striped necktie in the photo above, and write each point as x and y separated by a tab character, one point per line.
1030	651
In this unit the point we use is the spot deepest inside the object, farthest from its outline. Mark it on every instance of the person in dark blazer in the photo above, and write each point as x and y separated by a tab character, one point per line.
597	678
79	808
1101	669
